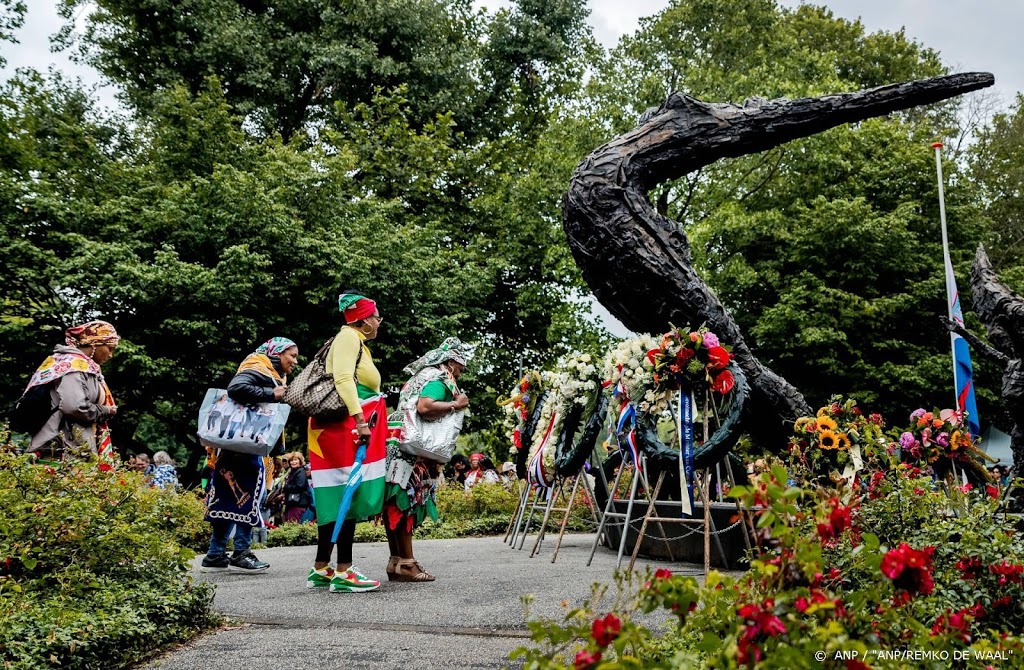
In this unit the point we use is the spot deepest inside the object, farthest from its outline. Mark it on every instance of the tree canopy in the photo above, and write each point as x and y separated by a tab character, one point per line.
272	153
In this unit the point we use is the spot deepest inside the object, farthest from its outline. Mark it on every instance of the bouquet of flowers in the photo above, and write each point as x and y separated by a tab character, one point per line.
627	365
839	435
691	359
940	438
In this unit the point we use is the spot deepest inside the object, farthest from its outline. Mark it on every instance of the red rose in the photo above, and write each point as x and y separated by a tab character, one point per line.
684	355
605	630
723	383
652	356
662	573
586	659
105	467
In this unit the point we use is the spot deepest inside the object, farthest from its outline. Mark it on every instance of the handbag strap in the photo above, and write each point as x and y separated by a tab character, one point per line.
324	350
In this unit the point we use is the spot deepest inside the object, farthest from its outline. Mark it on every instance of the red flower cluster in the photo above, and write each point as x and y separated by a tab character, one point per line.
606	629
586	659
689	358
838	521
959	622
1008	573
876	481
760	622
970	568
910	570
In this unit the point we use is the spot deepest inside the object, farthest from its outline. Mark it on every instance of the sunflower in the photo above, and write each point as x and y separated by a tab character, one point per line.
842	442
826	423
826	439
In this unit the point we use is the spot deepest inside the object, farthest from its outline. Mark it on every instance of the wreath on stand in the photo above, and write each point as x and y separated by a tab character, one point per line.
838	442
942	441
573	389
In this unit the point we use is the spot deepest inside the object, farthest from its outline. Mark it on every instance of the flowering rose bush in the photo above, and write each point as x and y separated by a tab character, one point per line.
836	572
839	437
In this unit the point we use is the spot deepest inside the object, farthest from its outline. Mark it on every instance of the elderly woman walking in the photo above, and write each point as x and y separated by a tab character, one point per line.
333	447
239	480
409	495
80	400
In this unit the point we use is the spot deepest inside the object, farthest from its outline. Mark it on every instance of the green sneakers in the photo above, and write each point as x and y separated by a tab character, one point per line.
319	579
352	581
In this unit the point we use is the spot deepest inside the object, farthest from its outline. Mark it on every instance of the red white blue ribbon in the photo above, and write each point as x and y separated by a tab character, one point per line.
627	416
535	469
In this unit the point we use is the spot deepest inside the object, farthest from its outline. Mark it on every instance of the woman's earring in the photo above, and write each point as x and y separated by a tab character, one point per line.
365	332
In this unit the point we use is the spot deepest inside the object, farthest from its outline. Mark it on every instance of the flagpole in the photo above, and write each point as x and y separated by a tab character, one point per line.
951	290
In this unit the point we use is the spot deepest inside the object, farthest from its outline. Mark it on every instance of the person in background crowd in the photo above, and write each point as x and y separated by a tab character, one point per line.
507	474
239	479
81	400
476	472
333	447
143	464
296	489
163	474
410	497
457	469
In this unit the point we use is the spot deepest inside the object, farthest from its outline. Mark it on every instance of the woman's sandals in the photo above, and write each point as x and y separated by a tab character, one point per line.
407	570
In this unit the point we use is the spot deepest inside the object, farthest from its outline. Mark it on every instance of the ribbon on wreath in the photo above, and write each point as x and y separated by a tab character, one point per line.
535	469
684	428
627	415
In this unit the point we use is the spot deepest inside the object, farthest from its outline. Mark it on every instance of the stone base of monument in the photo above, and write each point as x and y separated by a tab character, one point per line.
686	541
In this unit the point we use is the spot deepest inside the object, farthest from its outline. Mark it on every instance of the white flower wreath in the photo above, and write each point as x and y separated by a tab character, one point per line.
628	363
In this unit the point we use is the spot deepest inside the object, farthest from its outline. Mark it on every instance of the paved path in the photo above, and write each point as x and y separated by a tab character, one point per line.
471	617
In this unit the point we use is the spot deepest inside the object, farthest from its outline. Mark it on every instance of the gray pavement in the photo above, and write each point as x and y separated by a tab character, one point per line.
471	617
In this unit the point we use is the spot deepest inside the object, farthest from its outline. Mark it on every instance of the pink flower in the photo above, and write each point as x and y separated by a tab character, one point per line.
907	440
711	340
942	439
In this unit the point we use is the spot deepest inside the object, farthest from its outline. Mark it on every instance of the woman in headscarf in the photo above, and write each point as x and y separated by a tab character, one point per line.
81	403
409	500
333	447
239	480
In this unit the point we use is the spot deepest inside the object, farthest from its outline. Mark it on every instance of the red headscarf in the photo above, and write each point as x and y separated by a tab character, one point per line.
355	307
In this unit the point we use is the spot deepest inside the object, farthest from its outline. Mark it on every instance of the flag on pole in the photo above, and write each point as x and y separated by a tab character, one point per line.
963	373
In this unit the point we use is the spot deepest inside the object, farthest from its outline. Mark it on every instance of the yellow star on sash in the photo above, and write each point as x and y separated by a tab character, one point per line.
314	444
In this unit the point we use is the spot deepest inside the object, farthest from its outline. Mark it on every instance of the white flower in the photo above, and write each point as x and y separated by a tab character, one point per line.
585	358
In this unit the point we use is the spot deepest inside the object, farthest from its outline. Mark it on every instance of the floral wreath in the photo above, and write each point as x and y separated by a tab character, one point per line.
573	382
518	406
941	438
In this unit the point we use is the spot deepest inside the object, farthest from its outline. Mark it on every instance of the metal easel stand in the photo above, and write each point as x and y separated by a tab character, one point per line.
557	493
636	477
540	495
572	501
524	494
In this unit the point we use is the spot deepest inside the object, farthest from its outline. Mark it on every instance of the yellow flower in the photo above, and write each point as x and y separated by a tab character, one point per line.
827	439
823	411
802	422
842	441
826	423
954	440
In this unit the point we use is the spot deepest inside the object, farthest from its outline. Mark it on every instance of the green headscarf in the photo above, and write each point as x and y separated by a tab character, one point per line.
452	349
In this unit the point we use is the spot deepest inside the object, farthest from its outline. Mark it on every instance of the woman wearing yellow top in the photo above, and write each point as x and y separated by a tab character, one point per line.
333	446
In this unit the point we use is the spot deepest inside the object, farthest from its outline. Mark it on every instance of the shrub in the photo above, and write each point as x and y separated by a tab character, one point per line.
860	575
93	572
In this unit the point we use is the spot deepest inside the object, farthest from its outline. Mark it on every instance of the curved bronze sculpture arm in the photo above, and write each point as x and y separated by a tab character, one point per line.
638	262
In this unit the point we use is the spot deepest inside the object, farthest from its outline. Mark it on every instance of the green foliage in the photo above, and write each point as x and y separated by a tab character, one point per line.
94	569
825	580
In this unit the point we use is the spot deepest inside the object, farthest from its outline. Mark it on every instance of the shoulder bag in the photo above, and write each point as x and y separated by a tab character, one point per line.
313	392
433	440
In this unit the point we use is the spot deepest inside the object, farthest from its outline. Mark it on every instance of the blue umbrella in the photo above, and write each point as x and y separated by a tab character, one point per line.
355	478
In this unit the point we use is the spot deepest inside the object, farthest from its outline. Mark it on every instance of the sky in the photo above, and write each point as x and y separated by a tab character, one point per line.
970	35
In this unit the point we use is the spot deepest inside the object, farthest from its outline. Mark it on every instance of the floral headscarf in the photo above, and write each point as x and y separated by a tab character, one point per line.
355	307
274	347
267	358
452	349
91	334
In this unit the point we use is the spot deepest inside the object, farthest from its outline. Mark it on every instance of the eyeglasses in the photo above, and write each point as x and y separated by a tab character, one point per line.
378	317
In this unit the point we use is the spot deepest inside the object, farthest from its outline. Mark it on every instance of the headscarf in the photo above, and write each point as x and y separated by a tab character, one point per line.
267	357
452	349
91	334
355	307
